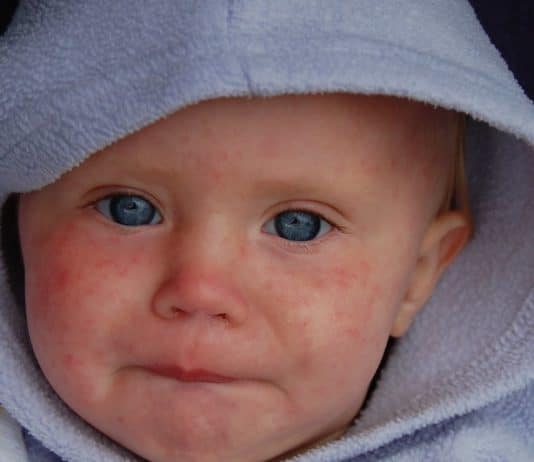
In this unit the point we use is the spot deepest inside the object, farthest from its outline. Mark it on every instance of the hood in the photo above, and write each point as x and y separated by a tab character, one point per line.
77	76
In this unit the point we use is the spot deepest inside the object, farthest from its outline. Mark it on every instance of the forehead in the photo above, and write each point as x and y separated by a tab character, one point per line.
285	135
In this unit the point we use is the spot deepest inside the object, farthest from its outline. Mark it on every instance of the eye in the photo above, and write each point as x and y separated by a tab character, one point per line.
297	225
128	210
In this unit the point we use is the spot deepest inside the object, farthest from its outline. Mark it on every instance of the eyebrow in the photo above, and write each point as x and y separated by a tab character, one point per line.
299	184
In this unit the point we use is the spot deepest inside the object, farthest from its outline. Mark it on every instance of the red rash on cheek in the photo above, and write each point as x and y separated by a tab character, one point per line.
71	362
353	332
351	277
344	279
341	277
78	281
61	279
343	297
72	264
242	251
356	297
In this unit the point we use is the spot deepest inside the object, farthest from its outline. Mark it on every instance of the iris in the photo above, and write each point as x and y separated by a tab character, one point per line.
296	225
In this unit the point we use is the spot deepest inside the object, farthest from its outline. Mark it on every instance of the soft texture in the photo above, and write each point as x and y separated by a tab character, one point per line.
75	76
12	446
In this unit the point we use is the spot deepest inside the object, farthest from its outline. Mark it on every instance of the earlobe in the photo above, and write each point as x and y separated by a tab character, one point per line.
444	239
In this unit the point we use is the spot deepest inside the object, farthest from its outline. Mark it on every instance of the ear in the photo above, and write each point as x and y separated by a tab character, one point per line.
446	236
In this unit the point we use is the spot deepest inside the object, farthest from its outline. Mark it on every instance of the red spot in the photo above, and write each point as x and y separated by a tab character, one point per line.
63	277
364	272
101	264
353	332
318	283
344	278
70	361
122	271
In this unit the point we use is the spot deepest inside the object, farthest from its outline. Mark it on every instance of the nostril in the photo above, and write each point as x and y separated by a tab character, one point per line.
175	311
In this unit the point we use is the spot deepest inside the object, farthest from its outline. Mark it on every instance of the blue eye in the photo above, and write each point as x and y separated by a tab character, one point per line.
128	210
297	225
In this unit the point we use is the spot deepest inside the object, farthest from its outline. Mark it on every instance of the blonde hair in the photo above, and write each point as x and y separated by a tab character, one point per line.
457	192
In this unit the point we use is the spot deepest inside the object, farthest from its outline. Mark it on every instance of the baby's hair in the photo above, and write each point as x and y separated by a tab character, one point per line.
457	192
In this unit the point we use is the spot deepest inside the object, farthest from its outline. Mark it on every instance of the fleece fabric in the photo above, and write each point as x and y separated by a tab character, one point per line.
76	76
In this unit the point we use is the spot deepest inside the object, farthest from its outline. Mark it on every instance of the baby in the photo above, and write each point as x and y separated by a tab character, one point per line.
222	284
222	225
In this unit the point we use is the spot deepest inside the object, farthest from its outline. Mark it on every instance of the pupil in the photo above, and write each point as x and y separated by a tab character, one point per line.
131	210
297	225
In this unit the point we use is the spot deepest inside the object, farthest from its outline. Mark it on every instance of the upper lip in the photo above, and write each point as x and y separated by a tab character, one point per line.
188	375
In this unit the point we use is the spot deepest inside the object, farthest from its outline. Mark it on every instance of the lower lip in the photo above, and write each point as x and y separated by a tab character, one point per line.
194	375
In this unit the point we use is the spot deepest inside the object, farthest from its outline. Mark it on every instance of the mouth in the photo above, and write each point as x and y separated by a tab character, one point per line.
192	375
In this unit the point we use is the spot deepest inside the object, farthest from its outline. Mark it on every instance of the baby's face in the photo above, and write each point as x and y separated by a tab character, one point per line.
221	285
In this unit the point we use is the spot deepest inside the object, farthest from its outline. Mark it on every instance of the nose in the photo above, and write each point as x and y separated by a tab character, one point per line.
192	295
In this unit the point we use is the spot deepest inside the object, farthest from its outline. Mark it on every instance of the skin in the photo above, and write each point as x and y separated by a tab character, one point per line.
299	326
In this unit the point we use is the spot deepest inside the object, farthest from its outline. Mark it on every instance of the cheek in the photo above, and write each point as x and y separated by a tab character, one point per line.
65	270
324	307
335	323
75	287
